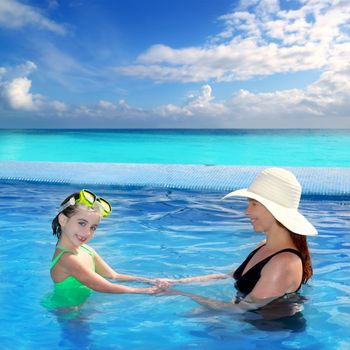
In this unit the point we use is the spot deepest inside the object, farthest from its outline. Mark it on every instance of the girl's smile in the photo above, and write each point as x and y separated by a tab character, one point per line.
79	228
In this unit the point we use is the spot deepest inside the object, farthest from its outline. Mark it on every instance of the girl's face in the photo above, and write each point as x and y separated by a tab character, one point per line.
260	218
80	227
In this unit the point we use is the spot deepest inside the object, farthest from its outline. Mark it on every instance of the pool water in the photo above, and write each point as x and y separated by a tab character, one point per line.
164	233
305	147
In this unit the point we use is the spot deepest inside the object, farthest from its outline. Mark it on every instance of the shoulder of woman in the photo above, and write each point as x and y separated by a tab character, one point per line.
285	262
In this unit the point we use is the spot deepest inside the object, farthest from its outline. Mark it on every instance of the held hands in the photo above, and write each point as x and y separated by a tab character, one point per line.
163	288
160	287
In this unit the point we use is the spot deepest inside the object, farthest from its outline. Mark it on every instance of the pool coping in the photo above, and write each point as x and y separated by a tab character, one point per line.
314	180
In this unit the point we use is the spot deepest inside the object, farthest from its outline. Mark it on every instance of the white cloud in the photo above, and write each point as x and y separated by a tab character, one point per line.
270	40
325	103
15	87
21	70
197	105
109	106
59	106
15	15
106	111
15	91
18	96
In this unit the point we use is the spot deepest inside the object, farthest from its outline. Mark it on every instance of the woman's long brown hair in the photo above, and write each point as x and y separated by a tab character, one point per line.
300	242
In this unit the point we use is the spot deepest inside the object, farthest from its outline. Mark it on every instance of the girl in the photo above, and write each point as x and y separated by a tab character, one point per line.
76	269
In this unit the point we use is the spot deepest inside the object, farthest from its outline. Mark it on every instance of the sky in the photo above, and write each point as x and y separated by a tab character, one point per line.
174	64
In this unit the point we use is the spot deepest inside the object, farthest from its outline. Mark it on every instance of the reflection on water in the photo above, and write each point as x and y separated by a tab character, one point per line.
284	313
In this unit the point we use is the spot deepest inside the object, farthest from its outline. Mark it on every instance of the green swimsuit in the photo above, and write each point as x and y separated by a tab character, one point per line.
69	292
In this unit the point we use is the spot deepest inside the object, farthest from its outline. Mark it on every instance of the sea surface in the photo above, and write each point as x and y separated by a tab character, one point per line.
293	147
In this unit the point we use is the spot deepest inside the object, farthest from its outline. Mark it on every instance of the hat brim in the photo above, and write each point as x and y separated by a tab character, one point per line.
292	219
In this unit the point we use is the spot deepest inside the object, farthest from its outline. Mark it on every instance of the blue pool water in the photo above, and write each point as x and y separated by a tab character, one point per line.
324	148
173	233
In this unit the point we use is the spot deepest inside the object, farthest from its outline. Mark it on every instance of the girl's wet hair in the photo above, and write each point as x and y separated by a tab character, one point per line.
69	212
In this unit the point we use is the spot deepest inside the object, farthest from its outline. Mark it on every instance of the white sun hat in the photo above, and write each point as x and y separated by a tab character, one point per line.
279	191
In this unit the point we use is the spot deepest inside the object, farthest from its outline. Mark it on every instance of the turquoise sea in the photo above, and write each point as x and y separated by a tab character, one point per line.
306	147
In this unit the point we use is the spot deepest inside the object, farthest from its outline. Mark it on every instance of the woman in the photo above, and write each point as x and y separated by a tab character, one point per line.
280	263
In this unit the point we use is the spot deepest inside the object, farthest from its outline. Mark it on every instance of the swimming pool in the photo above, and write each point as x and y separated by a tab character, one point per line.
164	232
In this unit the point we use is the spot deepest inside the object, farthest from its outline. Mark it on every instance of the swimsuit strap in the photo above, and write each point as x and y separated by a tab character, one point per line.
289	250
87	249
263	262
239	271
64	250
90	252
57	257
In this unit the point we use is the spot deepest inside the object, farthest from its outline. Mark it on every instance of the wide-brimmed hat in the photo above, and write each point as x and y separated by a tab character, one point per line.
279	191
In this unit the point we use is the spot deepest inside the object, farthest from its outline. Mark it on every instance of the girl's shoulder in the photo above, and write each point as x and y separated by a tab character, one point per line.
88	249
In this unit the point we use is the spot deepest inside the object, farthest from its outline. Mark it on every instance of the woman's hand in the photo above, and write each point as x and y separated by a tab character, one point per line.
203	278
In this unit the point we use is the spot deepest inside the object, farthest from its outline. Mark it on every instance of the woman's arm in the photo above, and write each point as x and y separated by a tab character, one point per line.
203	278
103	269
280	276
246	304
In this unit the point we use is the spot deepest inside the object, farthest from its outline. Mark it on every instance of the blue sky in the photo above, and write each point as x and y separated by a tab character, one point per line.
174	64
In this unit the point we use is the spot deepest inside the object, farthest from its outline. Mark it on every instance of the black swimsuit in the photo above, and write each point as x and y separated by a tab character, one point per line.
246	283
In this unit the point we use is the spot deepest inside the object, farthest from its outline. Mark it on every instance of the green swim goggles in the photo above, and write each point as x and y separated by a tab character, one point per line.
89	199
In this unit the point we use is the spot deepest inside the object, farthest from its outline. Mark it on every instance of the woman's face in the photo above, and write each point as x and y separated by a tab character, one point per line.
260	218
80	227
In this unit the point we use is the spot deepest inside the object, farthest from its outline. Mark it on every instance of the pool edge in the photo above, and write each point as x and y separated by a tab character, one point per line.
314	180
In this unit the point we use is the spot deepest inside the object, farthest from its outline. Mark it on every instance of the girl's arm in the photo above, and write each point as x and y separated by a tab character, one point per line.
73	267
103	269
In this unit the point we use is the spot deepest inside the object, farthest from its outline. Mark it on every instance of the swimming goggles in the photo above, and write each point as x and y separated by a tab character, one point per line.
89	199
